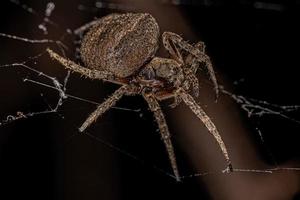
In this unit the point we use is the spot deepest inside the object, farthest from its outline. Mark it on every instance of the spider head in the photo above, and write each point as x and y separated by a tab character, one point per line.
166	70
121	43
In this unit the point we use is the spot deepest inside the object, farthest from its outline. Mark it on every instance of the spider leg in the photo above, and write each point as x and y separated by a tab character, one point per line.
173	51
200	56
195	83
106	105
199	112
164	131
191	63
191	68
201	46
68	64
79	31
82	29
90	73
177	101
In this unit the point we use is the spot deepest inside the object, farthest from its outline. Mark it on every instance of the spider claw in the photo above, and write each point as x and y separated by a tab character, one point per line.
81	129
228	169
177	178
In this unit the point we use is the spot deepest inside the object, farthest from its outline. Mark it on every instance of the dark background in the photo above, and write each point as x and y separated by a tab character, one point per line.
44	157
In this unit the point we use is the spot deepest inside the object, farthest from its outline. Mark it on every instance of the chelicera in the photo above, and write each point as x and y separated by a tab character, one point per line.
121	48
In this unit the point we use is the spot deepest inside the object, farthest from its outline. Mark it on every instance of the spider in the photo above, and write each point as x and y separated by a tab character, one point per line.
121	48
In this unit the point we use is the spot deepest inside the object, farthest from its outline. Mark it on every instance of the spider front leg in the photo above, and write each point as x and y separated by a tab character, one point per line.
106	105
193	80
190	68
179	43
164	130
70	65
191	62
199	112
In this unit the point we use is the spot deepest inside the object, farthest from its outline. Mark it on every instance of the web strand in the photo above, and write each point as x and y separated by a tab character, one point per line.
253	107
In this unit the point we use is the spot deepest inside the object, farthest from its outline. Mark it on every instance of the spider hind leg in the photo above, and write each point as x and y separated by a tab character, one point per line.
102	108
164	131
197	51
200	113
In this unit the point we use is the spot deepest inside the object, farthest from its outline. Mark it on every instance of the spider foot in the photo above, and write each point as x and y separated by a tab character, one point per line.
178	179
81	129
228	169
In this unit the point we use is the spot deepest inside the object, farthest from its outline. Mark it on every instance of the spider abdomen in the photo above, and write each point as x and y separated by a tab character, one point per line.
120	43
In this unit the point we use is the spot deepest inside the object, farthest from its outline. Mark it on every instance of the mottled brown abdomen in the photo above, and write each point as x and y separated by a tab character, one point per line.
120	43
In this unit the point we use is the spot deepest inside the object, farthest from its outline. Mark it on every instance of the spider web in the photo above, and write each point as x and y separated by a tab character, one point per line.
251	106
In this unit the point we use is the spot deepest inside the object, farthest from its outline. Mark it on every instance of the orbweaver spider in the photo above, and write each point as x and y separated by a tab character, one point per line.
121	48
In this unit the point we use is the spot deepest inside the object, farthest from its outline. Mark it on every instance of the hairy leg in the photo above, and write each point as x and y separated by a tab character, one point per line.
191	62
164	130
190	69
79	31
177	101
92	74
193	80
199	112
106	105
82	29
169	37
68	64
173	51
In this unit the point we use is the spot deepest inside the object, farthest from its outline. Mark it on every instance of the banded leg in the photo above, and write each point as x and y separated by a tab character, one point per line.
79	31
191	67
169	37
70	65
174	52
106	105
191	80
199	112
97	22
191	61
195	83
164	131
177	101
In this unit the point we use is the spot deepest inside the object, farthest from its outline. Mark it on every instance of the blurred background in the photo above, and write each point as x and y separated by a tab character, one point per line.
254	48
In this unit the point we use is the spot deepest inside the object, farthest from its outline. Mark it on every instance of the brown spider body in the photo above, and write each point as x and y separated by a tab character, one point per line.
120	48
120	43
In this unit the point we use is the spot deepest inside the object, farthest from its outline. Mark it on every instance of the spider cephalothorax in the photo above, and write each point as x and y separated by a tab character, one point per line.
120	48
